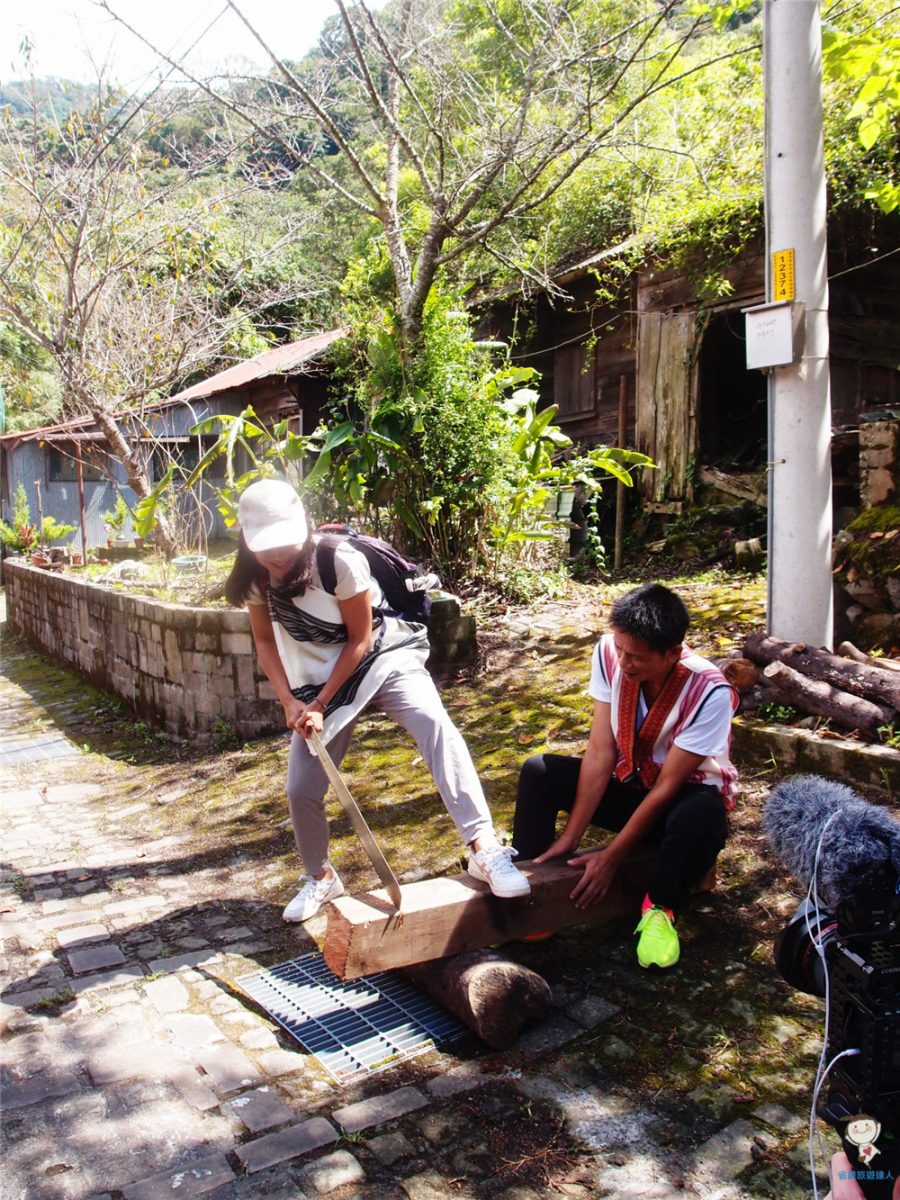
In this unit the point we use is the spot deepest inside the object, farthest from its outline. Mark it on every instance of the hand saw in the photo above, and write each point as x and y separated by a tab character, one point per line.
351	808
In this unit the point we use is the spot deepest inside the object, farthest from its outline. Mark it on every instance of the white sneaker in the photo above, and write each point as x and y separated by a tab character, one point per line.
311	897
493	866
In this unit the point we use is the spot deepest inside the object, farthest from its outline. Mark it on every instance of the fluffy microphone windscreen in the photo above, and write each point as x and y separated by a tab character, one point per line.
860	848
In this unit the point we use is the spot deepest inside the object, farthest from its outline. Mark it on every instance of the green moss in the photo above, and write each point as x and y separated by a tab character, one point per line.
875	549
881	518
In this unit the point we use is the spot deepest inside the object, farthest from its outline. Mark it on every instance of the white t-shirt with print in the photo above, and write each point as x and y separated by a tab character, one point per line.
310	635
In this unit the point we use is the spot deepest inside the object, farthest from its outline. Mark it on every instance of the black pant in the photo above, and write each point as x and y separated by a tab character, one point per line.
690	833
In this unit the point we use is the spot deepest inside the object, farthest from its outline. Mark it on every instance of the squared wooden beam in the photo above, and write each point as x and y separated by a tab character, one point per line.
454	914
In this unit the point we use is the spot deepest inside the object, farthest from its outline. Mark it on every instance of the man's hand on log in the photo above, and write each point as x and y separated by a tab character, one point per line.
564	844
598	871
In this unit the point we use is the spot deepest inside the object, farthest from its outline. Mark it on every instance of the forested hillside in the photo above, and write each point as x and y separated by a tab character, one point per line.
53	98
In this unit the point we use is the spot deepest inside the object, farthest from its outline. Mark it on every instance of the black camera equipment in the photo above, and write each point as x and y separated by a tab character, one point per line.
843	943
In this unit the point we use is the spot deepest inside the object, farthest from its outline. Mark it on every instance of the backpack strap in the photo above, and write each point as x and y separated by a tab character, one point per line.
325	562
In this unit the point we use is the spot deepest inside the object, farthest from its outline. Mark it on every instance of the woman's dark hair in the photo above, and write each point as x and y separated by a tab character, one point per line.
246	572
652	613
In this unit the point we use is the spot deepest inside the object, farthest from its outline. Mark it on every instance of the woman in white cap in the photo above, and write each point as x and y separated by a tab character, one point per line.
328	657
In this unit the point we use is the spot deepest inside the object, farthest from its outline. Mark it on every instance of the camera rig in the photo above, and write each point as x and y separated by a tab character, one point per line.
862	1102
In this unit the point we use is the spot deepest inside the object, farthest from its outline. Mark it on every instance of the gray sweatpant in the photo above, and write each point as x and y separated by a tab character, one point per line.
412	700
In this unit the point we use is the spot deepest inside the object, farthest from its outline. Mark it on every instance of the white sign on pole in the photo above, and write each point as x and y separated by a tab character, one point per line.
773	334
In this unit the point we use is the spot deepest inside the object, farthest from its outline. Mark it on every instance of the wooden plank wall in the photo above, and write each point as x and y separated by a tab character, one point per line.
581	350
666	387
653	336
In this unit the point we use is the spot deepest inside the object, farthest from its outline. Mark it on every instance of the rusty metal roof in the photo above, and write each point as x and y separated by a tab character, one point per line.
281	360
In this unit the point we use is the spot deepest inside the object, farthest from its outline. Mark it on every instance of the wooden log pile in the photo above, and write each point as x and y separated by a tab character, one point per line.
853	691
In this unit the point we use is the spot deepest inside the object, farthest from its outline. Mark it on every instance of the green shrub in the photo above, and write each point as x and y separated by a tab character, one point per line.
20	534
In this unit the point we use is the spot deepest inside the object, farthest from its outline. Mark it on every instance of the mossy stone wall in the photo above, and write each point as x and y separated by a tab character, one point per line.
190	671
186	670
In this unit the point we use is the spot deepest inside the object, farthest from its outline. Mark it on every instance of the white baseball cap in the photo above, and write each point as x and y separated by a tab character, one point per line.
270	514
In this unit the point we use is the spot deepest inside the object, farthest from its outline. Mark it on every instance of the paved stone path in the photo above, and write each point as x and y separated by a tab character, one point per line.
134	1070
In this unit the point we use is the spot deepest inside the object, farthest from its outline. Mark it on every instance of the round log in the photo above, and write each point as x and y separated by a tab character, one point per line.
742	674
848	650
491	994
764	693
813	696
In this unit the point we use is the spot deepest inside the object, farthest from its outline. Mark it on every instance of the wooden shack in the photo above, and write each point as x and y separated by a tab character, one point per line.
693	406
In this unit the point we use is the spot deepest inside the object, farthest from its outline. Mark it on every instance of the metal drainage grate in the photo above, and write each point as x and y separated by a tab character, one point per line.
353	1027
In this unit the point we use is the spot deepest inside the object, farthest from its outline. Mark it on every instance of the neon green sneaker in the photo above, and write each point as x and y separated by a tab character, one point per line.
658	945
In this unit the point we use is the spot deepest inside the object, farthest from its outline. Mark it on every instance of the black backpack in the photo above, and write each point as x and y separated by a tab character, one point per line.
388	567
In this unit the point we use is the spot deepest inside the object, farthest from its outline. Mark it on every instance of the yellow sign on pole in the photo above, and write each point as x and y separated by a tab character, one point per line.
783	275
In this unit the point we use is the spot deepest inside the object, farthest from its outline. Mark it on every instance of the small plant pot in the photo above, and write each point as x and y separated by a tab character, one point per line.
39	560
77	559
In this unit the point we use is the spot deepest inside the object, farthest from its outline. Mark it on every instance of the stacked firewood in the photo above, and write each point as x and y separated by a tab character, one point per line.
852	690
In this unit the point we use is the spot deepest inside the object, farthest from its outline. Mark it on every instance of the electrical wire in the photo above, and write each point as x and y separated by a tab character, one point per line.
861	266
849	1053
822	1071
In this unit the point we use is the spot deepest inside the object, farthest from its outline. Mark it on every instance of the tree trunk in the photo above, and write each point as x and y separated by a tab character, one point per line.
841	673
812	696
848	650
763	693
135	472
492	995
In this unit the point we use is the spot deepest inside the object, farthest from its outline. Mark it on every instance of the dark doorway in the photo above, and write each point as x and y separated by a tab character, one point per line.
732	400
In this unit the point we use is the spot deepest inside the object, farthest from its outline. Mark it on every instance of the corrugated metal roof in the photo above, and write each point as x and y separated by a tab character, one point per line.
281	360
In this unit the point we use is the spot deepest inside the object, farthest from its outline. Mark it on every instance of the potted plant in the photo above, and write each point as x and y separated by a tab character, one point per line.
115	519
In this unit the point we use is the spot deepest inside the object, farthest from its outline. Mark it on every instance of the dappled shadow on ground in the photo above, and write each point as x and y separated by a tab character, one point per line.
250	929
686	1054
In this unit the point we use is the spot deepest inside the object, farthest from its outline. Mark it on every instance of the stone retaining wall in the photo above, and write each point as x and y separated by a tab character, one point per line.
803	751
186	670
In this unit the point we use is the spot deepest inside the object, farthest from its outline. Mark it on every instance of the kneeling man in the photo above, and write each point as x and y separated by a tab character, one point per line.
656	769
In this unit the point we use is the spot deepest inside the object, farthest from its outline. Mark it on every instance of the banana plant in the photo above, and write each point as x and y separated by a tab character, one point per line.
539	467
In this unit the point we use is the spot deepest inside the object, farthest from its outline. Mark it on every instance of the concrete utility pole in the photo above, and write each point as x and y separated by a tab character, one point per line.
800	606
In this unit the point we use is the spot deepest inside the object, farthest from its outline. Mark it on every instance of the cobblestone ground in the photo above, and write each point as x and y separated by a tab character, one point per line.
134	1069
